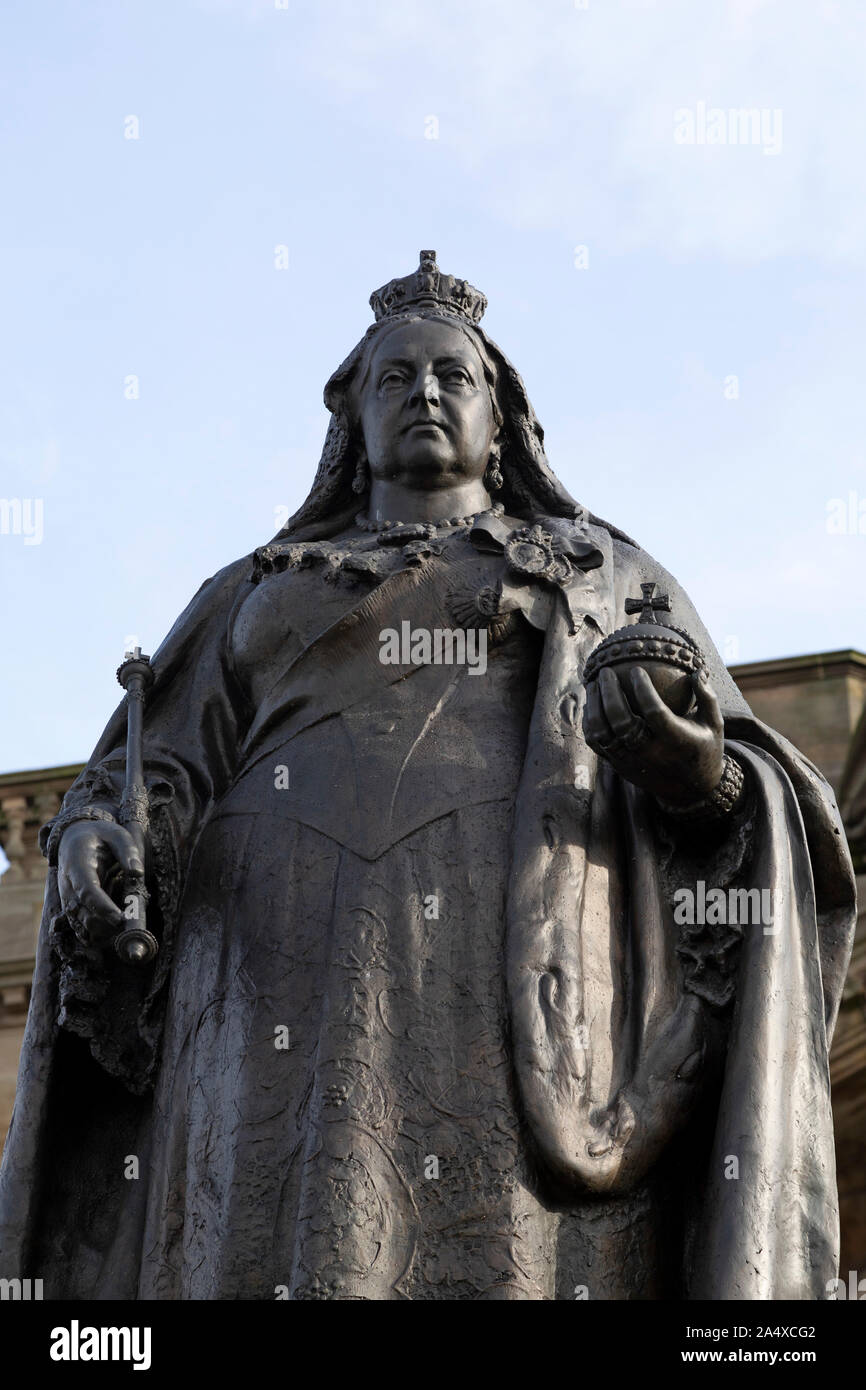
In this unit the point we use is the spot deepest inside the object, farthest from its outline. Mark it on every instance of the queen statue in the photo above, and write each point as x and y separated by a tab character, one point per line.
497	947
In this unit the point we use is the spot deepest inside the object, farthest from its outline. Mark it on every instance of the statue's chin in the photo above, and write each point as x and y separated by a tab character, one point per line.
429	463
434	467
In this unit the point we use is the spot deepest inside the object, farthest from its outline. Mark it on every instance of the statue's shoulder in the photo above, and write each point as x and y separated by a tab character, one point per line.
631	567
634	566
629	562
626	555
616	535
212	602
223	587
621	552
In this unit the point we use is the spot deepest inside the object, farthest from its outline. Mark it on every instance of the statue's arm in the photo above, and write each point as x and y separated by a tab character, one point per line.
683	762
194	722
780	839
745	739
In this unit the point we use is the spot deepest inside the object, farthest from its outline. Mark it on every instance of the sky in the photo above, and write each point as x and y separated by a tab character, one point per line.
198	199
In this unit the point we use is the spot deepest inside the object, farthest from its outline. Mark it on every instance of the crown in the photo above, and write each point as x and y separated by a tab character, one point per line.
428	286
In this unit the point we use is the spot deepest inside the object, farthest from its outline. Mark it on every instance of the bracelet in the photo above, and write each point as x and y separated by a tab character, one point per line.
721	801
50	844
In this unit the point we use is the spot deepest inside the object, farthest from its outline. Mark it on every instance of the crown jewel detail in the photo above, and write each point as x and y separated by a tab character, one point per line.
428	286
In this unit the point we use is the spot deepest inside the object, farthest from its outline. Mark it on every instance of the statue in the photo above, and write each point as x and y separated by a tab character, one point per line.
492	949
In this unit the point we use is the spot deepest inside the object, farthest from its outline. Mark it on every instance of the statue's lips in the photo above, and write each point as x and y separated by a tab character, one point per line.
424	425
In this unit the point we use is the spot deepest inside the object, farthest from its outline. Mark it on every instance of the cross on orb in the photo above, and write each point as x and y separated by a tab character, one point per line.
648	606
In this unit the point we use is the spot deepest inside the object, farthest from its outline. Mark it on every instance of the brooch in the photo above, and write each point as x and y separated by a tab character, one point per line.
533	553
480	608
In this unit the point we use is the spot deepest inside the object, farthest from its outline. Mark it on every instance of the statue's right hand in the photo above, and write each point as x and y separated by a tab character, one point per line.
89	850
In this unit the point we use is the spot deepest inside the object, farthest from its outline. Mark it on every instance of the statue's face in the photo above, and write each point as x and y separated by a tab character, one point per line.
425	407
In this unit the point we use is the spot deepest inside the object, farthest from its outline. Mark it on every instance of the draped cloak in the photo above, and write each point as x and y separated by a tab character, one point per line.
639	1044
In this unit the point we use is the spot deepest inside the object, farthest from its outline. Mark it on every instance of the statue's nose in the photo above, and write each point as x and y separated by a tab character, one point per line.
426	389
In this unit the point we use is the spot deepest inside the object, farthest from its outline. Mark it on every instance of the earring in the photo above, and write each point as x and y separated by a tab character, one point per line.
361	478
493	479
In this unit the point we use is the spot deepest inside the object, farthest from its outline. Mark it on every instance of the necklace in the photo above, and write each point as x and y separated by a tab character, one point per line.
427	528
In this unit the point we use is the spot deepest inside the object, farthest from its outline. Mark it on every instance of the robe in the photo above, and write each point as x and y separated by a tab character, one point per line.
426	1021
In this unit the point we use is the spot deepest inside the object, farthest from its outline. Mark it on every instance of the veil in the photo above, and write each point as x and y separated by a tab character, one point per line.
530	487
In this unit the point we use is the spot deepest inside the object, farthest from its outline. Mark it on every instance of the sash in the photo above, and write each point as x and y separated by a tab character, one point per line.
342	667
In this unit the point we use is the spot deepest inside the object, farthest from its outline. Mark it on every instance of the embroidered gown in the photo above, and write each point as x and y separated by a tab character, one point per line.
421	1025
377	1153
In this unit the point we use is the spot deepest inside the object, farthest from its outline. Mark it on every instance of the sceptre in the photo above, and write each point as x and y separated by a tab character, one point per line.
135	944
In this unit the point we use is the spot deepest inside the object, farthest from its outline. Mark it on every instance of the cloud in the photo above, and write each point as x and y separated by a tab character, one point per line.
565	117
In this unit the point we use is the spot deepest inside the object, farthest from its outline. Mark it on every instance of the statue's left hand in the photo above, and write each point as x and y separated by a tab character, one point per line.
679	759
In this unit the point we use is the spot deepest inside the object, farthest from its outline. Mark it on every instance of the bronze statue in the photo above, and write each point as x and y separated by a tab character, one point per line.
496	947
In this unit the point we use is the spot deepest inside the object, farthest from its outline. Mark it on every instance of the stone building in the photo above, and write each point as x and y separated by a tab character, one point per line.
818	702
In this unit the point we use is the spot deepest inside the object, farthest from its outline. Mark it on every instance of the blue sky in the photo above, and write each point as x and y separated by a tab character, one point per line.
308	126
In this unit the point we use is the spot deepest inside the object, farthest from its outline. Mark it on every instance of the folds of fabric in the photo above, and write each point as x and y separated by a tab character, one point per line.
612	1040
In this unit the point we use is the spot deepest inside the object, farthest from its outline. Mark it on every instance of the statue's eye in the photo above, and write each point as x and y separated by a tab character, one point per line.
391	378
458	374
